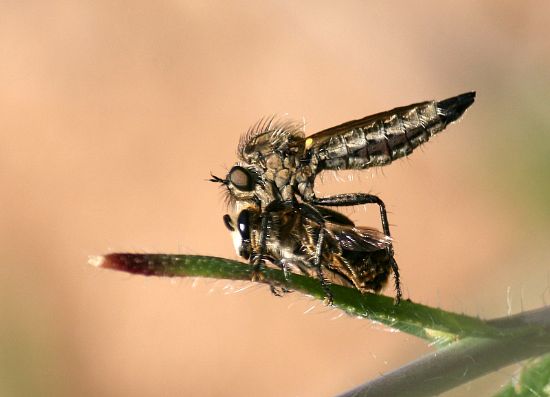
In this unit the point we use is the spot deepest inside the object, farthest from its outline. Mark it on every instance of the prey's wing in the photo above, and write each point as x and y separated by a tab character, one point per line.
381	138
361	239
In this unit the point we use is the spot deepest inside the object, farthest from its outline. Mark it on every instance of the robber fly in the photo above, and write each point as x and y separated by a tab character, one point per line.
275	216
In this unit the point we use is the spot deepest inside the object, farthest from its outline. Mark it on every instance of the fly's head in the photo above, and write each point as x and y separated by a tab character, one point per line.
243	223
268	156
245	193
245	182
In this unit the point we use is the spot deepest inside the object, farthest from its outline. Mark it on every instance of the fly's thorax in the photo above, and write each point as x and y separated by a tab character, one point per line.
275	149
279	168
265	177
278	174
270	136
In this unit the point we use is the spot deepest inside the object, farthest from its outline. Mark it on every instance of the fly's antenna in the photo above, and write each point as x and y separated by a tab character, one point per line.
228	198
217	179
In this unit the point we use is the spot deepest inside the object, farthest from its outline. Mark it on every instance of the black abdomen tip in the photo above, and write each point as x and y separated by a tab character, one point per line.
451	109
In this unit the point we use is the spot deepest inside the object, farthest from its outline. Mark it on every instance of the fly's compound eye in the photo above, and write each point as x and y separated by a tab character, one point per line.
243	223
241	178
228	223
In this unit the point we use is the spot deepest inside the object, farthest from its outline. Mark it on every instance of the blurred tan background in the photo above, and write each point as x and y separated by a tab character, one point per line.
113	114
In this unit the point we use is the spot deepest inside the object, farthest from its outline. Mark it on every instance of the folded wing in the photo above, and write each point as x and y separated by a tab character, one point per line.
384	137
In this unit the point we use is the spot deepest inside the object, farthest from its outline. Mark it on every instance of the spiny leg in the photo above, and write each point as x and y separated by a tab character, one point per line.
310	212
396	279
351	199
280	290
317	264
258	260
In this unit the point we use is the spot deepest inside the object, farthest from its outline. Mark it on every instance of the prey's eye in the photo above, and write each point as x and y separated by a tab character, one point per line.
228	222
243	223
241	178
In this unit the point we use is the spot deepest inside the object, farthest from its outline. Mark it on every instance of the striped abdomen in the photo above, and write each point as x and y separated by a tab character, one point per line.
381	138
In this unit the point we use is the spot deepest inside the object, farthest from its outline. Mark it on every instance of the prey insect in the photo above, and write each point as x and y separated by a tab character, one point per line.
275	217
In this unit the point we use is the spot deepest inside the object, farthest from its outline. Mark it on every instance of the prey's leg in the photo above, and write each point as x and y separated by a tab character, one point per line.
310	212
258	260
351	199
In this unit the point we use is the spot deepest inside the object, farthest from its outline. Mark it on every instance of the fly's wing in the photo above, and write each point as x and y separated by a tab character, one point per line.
359	239
381	138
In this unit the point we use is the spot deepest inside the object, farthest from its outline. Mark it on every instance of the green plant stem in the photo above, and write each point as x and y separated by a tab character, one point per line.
479	347
432	324
533	381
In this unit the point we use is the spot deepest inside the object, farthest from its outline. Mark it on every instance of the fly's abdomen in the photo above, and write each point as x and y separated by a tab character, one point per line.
379	139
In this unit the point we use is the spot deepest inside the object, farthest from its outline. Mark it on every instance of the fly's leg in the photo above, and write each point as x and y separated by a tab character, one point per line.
351	199
396	279
312	213
258	260
317	264
280	290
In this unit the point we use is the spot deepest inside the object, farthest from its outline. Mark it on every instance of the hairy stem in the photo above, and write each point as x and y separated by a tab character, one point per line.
422	321
479	346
